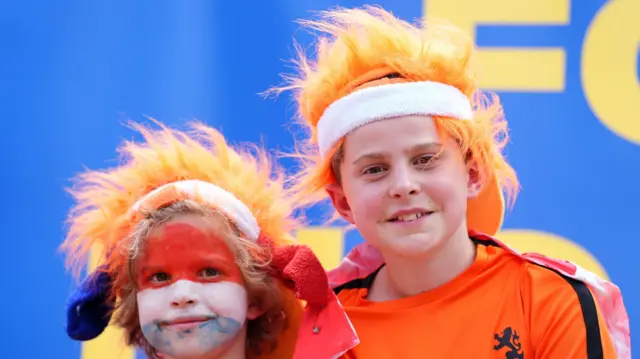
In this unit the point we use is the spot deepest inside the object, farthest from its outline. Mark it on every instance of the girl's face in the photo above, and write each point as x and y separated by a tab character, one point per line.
192	300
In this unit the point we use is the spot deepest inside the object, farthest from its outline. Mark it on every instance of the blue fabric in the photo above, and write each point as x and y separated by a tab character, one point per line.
89	308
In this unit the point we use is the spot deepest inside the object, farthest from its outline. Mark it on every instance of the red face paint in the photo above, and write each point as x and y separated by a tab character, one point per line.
186	250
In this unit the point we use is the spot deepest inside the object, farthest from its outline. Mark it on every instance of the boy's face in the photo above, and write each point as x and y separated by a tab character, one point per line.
191	300
403	199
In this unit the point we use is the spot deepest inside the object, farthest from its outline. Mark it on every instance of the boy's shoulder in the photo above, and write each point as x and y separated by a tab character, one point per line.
539	276
545	288
562	289
505	259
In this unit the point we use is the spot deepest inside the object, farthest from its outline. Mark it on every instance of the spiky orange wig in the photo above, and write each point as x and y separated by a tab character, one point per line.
104	200
368	47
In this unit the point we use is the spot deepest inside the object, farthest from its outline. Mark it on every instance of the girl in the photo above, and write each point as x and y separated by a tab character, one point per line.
197	256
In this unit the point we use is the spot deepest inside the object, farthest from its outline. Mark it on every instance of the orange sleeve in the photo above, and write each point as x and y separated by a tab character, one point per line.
565	321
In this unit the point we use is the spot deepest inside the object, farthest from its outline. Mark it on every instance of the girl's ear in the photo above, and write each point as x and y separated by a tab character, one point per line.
253	312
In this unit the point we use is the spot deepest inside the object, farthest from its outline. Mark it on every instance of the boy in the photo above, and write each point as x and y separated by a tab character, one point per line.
198	260
409	152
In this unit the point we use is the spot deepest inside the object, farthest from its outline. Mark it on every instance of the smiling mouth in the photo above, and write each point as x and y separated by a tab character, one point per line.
187	322
409	217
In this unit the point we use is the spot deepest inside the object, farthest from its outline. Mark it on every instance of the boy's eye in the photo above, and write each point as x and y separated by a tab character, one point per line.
373	170
159	277
209	273
424	160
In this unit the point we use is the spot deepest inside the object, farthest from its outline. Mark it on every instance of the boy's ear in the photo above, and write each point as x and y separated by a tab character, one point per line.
339	200
476	180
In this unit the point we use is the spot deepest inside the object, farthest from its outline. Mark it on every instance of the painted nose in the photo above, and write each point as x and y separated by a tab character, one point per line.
184	294
404	183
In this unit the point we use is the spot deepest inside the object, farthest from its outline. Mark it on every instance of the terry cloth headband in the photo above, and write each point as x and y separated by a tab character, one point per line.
204	192
386	101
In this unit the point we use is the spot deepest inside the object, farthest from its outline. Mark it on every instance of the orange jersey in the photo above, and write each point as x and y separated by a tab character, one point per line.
502	307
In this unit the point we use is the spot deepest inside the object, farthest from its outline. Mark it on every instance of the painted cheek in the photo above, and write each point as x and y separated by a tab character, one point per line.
226	299
153	305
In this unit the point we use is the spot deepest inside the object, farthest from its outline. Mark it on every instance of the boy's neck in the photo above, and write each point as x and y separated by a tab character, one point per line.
405	277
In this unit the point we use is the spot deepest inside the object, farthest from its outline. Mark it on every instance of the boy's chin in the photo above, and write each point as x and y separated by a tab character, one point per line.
414	245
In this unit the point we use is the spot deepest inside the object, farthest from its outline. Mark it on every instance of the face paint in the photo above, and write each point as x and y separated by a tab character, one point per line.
192	300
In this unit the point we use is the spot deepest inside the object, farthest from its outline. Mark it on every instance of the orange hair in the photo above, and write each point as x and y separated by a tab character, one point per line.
103	198
362	46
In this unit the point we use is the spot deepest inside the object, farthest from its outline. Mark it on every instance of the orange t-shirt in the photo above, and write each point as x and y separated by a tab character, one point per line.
502	307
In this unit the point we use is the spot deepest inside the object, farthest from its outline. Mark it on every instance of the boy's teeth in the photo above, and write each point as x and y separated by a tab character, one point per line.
409	217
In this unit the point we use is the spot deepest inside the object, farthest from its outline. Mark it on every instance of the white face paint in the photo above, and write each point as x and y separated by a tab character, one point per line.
187	319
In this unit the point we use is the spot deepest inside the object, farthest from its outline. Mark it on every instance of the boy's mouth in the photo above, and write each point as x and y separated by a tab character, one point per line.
409	217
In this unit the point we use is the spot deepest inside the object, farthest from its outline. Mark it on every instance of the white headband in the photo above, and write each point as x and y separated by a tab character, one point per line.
215	197
387	101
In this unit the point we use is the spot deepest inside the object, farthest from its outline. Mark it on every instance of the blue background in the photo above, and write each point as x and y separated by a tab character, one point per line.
71	73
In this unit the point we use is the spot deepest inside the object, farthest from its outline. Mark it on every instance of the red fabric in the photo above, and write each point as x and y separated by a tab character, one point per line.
325	332
299	268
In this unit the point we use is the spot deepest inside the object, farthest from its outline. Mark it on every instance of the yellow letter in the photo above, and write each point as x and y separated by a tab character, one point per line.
552	246
609	73
111	343
523	69
326	242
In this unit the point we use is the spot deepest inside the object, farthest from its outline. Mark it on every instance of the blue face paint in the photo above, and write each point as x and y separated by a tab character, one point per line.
199	340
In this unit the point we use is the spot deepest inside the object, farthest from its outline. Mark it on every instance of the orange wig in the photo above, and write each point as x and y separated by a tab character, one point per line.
361	49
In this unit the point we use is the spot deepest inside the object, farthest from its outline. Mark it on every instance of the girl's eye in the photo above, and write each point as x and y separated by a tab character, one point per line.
209	273
159	277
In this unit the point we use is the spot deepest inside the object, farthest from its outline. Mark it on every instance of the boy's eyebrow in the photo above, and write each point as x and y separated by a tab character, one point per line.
428	146
370	156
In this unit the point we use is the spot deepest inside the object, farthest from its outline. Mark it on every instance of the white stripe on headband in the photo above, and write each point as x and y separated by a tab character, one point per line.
215	197
387	101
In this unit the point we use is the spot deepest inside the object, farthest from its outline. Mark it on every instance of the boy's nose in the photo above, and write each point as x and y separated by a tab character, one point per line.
403	184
